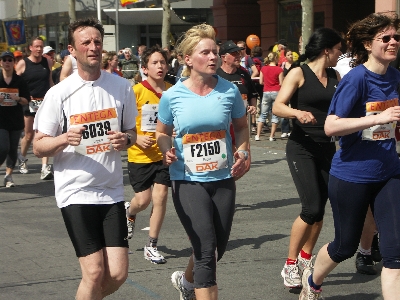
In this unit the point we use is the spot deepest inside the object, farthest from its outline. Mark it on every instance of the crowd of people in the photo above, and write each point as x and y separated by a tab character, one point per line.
84	105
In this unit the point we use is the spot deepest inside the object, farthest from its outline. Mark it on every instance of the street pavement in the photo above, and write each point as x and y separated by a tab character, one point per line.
38	262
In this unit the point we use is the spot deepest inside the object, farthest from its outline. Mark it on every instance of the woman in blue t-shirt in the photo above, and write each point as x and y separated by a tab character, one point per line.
366	169
200	108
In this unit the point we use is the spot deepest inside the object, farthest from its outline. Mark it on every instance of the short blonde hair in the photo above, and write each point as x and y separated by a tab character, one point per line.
191	38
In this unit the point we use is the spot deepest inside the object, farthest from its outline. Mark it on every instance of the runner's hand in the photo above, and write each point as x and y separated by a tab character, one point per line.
145	141
117	139
74	135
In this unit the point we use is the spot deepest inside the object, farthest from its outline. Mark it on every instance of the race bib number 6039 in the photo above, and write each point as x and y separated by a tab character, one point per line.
205	152
97	124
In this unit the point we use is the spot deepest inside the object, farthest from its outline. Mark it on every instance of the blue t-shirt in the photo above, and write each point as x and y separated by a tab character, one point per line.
359	93
202	125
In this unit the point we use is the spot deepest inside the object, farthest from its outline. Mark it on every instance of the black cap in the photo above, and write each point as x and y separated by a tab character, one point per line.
282	42
229	47
218	42
7	53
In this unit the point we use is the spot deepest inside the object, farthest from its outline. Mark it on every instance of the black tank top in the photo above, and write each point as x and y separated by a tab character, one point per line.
312	96
37	76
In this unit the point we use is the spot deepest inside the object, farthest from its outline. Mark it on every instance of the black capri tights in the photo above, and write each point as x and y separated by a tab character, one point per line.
309	163
350	203
206	212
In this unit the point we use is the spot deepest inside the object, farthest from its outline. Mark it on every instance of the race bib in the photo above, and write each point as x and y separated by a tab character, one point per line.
149	117
380	132
204	152
97	124
7	92
34	105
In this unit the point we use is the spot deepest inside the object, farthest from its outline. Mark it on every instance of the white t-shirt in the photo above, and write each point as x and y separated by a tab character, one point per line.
105	104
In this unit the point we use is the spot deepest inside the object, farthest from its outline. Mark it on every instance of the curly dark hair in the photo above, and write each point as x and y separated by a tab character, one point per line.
90	22
147	53
365	30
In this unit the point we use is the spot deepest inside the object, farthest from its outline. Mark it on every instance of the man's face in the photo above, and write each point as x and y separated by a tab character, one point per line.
50	55
232	59
127	55
36	48
242	52
88	48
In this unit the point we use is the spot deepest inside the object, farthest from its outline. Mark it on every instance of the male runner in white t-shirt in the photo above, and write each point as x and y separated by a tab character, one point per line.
84	122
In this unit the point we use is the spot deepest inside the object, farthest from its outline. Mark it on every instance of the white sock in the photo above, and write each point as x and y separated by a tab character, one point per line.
188	285
363	251
44	166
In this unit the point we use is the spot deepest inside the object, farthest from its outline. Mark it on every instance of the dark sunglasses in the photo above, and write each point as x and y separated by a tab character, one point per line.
7	59
387	38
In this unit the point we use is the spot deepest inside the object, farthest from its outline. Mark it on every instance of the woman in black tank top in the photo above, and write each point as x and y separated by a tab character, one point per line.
309	89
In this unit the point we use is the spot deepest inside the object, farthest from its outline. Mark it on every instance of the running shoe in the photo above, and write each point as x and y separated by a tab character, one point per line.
291	276
185	294
303	263
8	181
284	135
365	264
46	174
375	252
308	293
23	167
272	139
130	222
152	254
256	138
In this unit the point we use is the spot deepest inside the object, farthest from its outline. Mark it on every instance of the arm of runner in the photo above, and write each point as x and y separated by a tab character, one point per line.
164	141
20	67
47	146
66	69
242	144
122	140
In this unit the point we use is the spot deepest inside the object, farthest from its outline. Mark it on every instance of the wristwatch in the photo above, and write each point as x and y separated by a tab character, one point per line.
245	153
128	139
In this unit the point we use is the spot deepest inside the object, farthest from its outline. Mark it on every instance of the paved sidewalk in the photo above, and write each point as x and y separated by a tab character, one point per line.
38	261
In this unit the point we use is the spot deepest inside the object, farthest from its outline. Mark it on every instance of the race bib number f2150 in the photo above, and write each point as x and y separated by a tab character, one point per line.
6	93
97	124
205	152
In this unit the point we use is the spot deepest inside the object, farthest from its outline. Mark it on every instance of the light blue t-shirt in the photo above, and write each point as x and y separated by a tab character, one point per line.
202	127
359	93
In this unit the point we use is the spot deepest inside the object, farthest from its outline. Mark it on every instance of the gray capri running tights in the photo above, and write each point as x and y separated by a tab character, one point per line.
206	212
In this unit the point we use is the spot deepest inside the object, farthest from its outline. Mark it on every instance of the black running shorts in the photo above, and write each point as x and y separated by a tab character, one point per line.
143	176
92	227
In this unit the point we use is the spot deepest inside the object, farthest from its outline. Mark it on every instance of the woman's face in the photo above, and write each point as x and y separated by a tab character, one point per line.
384	47
114	62
7	63
203	60
289	56
333	54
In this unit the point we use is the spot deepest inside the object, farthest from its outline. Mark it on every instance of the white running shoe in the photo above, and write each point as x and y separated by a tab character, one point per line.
303	263
23	167
152	254
130	223
8	181
284	135
291	276
185	294
256	138
46	174
308	293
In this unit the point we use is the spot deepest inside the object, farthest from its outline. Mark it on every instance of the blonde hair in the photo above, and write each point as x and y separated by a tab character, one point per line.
190	39
271	57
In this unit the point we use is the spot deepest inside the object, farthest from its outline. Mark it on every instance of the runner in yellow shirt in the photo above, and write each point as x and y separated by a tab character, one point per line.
147	174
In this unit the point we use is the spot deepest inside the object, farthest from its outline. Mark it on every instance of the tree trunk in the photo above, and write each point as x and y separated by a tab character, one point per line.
307	21
72	12
166	25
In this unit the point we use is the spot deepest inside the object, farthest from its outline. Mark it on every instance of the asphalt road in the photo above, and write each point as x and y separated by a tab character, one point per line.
38	261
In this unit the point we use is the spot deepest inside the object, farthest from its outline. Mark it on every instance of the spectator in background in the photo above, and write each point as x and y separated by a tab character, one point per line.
245	60
282	44
129	65
110	63
256	56
141	49
49	53
18	55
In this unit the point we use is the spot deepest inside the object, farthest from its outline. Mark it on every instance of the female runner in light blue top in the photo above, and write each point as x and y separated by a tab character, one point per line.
202	164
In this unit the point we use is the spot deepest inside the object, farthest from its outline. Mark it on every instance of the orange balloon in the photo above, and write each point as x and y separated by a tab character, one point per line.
252	41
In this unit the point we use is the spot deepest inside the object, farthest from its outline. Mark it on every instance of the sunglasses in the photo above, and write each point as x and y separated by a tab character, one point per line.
387	38
7	59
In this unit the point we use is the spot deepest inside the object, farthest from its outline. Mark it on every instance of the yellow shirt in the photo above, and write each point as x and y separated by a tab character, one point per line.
147	105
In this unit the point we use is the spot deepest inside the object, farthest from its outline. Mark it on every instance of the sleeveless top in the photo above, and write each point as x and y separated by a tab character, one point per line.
313	97
37	76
